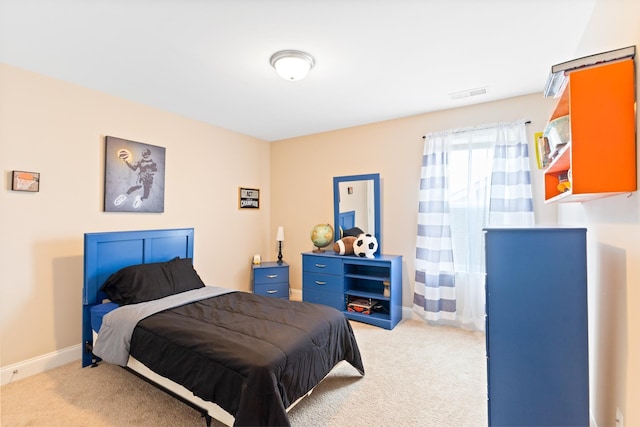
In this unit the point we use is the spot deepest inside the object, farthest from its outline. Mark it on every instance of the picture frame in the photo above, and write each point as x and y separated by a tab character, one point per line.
248	198
25	181
134	176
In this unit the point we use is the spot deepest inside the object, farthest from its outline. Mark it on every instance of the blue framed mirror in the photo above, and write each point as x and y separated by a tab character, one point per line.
356	203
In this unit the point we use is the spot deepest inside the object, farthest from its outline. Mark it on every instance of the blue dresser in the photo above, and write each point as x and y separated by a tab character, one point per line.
271	279
536	327
336	280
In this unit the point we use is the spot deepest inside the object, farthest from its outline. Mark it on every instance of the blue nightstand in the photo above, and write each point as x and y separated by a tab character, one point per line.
271	279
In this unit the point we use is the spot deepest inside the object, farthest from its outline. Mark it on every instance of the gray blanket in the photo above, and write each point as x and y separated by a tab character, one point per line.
114	339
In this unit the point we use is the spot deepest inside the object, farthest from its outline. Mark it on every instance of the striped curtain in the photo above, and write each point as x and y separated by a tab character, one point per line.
453	293
435	293
511	197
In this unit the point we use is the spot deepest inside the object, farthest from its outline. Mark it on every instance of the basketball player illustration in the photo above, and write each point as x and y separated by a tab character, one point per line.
146	168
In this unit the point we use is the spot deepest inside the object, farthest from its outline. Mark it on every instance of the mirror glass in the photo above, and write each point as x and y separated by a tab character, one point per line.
356	203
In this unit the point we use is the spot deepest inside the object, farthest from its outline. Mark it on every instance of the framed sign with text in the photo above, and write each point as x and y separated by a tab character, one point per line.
249	198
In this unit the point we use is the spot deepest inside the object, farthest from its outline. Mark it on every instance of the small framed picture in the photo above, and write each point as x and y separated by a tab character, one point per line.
249	198
25	181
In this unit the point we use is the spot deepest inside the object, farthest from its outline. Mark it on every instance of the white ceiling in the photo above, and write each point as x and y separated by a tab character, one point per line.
375	59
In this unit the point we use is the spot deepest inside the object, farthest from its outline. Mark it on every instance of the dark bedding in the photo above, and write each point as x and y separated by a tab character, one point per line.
252	355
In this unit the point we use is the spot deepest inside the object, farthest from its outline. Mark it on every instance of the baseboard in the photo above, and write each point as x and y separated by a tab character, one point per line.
296	295
40	364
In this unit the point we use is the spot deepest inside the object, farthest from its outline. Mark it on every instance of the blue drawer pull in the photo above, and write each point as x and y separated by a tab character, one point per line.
318	282
272	291
271	276
321	265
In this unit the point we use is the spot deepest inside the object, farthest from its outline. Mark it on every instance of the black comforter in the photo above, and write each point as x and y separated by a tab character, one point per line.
252	355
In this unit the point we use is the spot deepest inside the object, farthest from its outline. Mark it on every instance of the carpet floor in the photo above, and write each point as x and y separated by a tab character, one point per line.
416	375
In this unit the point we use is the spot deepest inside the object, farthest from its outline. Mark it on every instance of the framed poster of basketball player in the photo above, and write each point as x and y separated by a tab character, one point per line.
134	176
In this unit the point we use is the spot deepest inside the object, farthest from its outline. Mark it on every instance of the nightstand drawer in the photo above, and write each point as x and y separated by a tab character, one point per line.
323	282
271	279
277	290
271	275
324	265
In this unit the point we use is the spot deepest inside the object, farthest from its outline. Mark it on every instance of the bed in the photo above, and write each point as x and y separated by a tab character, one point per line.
240	358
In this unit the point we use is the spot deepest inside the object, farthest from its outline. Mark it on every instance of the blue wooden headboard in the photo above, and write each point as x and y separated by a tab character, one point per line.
107	252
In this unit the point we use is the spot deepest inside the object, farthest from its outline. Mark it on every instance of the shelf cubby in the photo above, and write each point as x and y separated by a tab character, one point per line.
601	154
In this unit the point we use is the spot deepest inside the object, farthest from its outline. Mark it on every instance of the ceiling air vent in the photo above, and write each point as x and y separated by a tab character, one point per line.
469	92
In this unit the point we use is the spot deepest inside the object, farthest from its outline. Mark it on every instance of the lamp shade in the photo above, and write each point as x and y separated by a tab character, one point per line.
292	64
280	234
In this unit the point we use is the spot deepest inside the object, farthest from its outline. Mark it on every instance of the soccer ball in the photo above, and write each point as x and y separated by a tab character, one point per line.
365	245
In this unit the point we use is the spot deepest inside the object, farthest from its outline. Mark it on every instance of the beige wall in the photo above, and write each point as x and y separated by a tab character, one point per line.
302	171
58	129
613	256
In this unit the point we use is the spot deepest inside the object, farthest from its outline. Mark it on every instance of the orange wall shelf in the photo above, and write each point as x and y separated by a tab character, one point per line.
601	154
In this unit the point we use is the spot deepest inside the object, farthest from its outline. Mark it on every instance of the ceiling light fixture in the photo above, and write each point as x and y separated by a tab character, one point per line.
292	64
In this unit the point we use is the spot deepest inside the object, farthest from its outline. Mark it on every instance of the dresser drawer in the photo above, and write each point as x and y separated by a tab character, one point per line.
277	290
324	265
323	282
271	275
332	299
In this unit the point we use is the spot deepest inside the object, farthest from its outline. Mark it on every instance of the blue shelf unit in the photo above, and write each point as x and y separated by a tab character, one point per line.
335	280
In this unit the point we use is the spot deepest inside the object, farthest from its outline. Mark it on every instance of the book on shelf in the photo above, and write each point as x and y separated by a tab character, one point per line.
361	305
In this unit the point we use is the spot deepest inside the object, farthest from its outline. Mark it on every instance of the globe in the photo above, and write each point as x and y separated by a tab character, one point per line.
321	236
